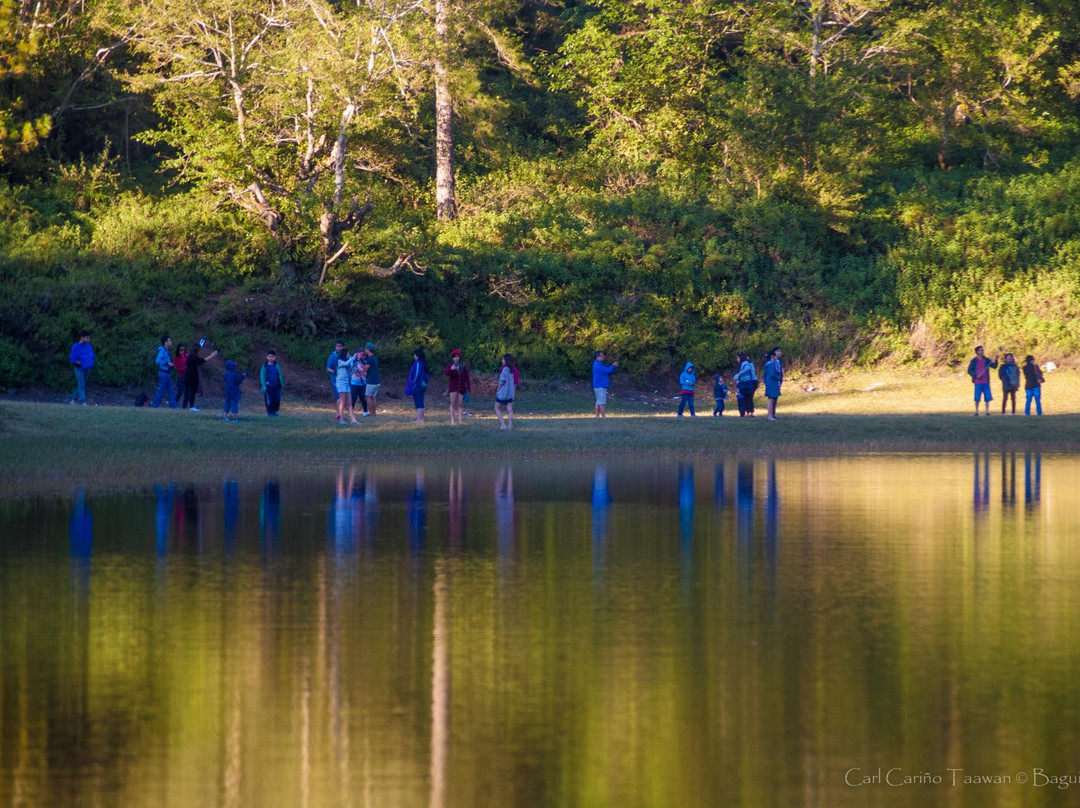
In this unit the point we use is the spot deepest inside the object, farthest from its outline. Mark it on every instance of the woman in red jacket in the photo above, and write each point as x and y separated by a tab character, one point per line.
459	384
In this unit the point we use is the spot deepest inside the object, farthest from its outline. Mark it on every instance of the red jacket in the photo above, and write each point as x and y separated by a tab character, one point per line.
458	380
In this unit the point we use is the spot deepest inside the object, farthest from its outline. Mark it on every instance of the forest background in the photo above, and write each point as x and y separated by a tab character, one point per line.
856	181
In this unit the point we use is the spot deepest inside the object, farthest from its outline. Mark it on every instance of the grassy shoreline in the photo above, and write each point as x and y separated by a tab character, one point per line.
53	449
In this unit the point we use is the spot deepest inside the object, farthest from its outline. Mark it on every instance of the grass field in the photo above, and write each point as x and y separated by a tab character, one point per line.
51	449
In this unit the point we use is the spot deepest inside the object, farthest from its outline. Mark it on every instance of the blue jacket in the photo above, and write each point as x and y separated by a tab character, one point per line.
687	379
233	380
163	359
601	374
82	355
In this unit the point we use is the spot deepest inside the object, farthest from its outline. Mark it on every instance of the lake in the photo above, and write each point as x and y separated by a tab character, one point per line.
857	631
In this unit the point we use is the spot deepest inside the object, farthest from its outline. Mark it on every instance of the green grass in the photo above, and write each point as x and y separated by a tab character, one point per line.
49	448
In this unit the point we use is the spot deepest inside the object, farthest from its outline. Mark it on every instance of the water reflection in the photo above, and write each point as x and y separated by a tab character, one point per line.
353	647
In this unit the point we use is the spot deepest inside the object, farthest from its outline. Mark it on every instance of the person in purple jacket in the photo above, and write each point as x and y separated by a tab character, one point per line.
81	358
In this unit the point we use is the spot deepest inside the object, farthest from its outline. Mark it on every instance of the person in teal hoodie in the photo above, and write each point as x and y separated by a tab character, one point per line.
687	381
272	383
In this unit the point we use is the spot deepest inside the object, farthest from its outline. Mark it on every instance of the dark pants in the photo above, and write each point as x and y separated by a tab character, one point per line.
359	393
719	408
687	398
191	389
273	399
418	398
746	403
1005	395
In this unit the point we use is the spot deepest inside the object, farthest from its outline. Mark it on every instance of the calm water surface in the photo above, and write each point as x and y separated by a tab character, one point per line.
709	633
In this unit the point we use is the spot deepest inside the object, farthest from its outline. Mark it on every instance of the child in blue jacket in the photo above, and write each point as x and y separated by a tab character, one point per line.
687	382
233	379
720	394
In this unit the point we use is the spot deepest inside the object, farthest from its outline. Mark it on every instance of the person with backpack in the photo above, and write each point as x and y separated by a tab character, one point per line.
504	395
416	385
746	382
1009	373
272	384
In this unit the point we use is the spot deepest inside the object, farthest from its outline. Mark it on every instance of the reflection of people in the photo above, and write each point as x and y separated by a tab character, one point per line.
230	495
1008	479
744	500
504	509
270	514
772	510
418	513
979	371
982	491
163	500
601	505
81	533
456	509
81	358
1032	477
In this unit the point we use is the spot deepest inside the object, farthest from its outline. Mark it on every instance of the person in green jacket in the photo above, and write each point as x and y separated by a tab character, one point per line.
272	382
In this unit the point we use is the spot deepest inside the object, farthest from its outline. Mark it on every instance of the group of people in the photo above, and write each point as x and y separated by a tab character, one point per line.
745	379
1009	373
355	379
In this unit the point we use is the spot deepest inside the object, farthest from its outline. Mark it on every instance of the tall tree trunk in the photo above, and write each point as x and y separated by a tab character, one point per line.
818	19
445	203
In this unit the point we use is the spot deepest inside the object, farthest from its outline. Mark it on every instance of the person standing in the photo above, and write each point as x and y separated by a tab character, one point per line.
272	383
687	383
165	368
601	382
331	368
81	358
343	371
773	376
746	383
234	377
190	379
720	394
458	385
180	362
504	395
374	380
358	386
1033	381
1009	373
979	371
416	385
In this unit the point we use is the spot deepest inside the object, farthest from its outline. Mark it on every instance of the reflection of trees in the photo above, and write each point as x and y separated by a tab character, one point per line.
328	677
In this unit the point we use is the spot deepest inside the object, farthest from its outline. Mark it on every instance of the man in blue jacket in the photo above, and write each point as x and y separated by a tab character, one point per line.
81	358
601	381
164	374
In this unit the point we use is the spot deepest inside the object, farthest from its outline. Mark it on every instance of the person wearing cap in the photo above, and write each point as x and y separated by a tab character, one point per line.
601	381
374	381
458	385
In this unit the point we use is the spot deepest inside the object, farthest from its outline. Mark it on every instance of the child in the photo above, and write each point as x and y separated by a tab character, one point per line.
720	394
233	379
504	396
1033	380
687	381
1009	373
271	382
